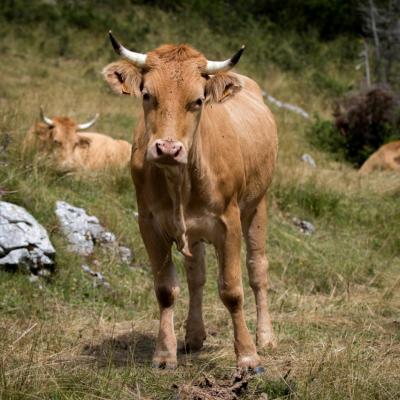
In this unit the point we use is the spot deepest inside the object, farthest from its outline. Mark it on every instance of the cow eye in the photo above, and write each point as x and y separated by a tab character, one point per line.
196	105
149	99
146	95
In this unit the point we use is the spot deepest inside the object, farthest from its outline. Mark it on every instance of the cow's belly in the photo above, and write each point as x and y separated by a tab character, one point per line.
205	227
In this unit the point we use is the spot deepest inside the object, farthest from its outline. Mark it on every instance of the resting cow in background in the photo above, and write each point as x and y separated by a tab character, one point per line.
386	158
69	150
202	159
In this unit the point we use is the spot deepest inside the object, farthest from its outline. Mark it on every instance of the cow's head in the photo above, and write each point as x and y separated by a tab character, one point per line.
175	83
60	138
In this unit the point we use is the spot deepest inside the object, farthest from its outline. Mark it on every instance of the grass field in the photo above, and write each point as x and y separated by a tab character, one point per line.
335	295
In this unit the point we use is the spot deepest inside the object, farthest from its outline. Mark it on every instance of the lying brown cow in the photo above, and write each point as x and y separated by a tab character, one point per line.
386	158
203	157
69	150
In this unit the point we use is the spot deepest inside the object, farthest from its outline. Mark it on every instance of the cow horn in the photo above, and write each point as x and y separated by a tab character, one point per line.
88	124
222	66
45	119
138	59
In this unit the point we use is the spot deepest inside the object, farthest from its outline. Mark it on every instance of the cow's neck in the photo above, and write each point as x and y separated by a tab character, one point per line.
179	181
177	186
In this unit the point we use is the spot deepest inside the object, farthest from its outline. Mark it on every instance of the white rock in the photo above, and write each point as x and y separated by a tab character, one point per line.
33	278
100	279
83	231
23	241
305	227
309	160
125	254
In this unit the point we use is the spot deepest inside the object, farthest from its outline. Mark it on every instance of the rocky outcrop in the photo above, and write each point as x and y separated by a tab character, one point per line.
84	231
23	241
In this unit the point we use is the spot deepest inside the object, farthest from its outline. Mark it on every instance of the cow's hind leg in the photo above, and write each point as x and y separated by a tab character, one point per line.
195	273
167	289
254	230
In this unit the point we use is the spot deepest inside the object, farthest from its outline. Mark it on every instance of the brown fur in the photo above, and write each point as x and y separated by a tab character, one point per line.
69	150
216	197
386	158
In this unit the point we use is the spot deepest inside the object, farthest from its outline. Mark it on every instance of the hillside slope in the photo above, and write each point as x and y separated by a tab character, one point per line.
334	295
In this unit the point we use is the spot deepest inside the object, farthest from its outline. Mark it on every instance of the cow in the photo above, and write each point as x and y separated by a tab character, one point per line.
203	156
386	158
70	150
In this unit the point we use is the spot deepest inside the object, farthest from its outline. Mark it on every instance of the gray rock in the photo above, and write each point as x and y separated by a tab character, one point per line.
33	278
83	231
100	279
309	160
305	227
107	237
79	228
125	254
23	241
15	257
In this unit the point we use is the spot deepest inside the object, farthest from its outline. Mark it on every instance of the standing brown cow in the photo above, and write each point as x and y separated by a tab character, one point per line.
203	157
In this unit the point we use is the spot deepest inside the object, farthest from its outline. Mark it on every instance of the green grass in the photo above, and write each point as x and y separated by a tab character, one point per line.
334	295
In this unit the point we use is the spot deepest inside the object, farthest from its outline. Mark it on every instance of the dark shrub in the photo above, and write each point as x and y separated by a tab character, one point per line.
367	120
362	123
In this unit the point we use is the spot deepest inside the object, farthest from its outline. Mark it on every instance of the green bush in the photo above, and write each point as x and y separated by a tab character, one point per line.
324	135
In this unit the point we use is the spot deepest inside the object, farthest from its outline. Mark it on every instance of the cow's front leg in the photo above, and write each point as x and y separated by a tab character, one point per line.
231	288
166	287
195	273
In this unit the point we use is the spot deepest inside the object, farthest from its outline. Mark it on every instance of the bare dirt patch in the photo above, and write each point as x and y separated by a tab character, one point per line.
208	388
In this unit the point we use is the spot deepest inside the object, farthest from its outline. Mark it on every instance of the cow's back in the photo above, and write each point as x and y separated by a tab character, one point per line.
103	151
387	157
242	141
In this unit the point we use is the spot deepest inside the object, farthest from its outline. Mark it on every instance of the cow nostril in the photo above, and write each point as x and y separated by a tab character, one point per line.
176	154
159	151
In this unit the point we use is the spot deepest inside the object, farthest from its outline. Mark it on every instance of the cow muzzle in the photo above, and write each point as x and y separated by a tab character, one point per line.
170	152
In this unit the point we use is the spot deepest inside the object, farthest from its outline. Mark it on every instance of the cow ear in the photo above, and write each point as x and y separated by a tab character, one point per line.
84	142
123	77
41	130
222	87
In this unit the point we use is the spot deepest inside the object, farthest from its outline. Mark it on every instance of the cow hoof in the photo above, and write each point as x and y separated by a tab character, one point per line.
265	342
248	363
192	345
163	364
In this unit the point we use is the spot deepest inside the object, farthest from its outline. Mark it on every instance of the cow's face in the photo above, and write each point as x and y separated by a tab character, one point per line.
173	96
61	140
174	87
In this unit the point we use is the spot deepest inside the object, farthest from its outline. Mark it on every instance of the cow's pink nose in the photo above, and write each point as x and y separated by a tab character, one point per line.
167	152
168	148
